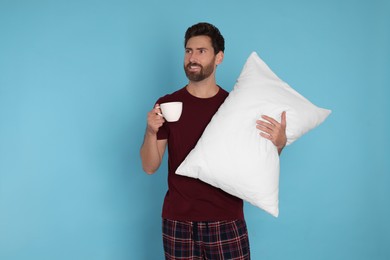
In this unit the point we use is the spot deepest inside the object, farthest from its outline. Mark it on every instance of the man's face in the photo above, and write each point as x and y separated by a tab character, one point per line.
199	59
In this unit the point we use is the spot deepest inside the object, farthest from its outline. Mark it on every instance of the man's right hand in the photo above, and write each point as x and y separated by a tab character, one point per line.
155	120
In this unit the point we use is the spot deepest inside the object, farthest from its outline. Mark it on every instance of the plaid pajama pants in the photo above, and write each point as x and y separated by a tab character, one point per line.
220	240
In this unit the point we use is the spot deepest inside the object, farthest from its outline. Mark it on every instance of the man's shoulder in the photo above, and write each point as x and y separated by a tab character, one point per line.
223	91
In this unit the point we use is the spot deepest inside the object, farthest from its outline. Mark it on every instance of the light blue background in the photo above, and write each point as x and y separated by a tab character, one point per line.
77	78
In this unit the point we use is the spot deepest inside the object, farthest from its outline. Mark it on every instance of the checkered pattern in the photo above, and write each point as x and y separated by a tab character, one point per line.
218	240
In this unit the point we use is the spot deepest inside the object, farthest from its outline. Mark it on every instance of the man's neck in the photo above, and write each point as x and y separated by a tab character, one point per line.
203	89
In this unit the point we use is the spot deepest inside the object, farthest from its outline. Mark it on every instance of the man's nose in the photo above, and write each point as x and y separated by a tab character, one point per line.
193	58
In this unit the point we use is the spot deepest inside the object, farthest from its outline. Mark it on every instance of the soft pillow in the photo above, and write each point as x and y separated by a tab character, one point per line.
231	154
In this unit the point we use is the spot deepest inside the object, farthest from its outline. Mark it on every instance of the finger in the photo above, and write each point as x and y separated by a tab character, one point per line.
265	124
264	128
270	120
156	107
153	115
154	118
157	110
266	136
156	124
283	120
158	119
266	132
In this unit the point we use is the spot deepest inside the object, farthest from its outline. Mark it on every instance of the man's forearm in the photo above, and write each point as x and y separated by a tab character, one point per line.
150	154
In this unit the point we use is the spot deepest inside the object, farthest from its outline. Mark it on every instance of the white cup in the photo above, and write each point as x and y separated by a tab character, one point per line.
171	111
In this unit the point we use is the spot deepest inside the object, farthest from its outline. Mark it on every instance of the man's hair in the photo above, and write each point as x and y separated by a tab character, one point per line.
206	29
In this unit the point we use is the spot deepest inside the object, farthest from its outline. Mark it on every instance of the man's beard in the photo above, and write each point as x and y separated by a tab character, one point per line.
200	75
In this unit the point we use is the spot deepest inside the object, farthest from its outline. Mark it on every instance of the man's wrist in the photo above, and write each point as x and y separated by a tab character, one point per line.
149	133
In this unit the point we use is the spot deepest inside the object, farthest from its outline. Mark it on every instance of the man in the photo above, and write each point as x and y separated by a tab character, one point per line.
199	220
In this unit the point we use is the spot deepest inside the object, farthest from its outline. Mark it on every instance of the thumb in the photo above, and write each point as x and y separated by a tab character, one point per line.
283	119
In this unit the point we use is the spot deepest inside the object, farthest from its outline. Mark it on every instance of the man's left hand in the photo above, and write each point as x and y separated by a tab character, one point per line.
273	130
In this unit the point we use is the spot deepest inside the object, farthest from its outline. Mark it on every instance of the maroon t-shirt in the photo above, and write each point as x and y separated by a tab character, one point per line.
190	199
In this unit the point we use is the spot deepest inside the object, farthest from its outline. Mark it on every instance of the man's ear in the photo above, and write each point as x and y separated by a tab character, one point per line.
219	57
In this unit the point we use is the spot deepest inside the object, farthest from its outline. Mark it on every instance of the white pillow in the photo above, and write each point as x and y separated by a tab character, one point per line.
231	154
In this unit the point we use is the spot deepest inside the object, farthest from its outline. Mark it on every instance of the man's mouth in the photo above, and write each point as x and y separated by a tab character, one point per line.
194	67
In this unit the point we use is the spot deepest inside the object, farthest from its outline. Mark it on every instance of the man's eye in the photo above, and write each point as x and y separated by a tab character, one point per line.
188	51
